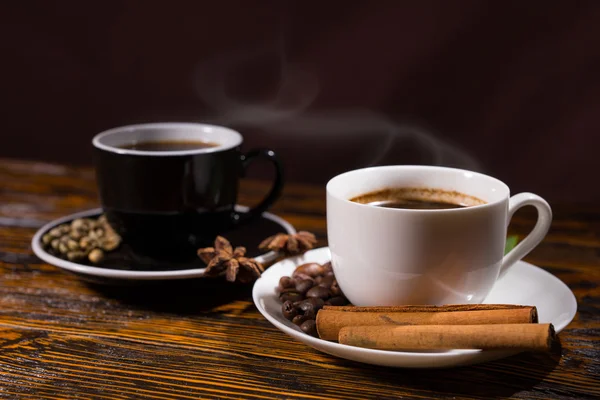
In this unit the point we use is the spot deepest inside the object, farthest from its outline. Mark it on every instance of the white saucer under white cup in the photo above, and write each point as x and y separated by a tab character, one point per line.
523	284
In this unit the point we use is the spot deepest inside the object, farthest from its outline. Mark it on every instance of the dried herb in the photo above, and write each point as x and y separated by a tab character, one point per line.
224	260
289	245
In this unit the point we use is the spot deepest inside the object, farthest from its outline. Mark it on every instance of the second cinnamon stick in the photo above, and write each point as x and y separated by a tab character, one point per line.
331	319
527	337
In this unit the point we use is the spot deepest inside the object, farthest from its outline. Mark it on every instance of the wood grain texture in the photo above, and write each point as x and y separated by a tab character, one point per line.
61	337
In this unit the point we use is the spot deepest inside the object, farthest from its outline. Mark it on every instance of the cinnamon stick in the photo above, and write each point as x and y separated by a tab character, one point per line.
525	337
331	319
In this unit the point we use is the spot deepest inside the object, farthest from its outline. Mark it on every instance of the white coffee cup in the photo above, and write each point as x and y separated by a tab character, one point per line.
390	256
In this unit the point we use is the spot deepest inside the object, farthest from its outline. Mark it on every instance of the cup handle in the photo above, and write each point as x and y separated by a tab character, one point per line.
536	235
276	188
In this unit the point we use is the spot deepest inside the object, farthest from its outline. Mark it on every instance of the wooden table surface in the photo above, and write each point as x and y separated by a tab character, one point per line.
63	338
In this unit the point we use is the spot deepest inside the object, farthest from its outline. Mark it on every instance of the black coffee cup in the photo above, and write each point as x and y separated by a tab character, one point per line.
166	204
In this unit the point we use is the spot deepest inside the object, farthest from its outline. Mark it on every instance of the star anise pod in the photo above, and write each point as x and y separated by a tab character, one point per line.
223	259
291	245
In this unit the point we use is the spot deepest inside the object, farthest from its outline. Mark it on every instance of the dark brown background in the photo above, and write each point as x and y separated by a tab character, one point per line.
510	88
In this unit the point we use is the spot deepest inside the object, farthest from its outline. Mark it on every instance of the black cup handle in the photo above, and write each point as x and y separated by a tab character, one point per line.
276	189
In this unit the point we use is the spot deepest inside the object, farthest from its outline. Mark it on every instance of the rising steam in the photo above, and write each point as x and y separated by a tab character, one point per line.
287	112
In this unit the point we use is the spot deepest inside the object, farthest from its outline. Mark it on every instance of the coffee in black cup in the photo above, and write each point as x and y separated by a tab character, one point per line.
169	188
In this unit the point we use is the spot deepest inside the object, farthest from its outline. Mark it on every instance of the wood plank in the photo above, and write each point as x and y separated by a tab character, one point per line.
45	362
61	337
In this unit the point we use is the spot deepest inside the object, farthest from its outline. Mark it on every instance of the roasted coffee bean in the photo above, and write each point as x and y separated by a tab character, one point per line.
305	306
327	281
337	301
299	319
310	269
302	286
313	303
286	282
318	291
291	296
309	327
317	302
289	310
335	289
310	287
304	277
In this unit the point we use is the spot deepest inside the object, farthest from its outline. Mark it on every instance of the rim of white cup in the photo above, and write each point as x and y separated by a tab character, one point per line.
487	204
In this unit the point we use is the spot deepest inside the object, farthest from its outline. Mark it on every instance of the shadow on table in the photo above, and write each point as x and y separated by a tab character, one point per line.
497	379
185	297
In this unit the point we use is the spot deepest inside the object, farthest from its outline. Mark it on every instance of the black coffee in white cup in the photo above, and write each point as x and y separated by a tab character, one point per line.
169	188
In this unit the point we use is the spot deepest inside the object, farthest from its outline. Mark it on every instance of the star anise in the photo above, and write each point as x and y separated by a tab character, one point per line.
290	245
223	259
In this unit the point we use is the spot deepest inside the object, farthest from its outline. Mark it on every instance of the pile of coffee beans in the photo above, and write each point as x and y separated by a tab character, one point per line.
310	287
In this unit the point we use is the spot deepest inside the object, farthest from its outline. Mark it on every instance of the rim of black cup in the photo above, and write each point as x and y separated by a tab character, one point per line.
111	139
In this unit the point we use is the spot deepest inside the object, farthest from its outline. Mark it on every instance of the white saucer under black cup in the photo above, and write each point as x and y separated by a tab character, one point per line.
168	189
123	265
